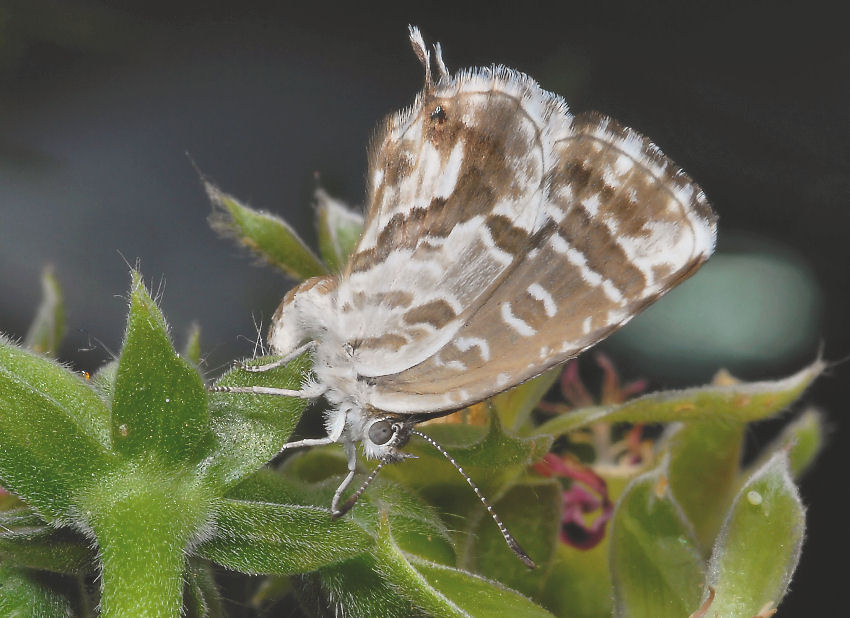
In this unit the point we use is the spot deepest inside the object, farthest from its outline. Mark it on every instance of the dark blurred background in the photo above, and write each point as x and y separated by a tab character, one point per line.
100	102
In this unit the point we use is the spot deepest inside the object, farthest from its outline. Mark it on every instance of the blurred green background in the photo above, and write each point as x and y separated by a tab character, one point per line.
101	101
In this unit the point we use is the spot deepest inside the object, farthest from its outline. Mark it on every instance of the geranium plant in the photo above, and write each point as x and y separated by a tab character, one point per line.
136	492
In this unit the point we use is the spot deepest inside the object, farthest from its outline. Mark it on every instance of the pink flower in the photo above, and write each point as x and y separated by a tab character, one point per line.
587	494
613	390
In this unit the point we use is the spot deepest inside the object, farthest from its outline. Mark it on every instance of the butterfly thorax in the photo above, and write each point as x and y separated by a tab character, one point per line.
303	315
308	313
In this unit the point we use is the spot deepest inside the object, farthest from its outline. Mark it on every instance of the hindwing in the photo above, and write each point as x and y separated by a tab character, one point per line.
623	225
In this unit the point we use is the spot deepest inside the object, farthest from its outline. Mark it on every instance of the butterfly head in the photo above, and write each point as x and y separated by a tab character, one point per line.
383	436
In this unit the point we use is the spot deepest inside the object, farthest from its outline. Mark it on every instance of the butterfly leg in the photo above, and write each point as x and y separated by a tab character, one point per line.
335	428
305	393
351	453
285	360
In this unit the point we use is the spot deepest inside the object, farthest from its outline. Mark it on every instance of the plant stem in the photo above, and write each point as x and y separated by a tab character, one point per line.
143	522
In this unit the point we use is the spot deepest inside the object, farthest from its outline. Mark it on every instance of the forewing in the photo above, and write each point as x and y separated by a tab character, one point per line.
457	187
624	226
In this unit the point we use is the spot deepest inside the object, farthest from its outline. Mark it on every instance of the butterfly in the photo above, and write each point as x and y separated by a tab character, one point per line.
504	235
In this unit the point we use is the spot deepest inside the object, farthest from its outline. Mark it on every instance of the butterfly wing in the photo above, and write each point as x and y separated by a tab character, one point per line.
457	187
623	225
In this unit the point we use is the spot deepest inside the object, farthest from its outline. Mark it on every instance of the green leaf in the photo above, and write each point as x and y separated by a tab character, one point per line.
26	541
358	585
492	458
705	458
424	532
474	595
201	598
250	429
532	513
578	582
735	403
354	588
257	537
29	593
362	584
339	229
442	590
759	545
516	405
192	349
273	588
656	564
266	235
417	527
159	404
103	383
53	431
802	440
65	390
48	327
368	586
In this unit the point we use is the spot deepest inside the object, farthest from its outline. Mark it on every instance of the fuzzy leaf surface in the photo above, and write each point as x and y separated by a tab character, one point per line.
159	405
358	583
260	537
424	532
705	458
532	513
250	429
53	431
48	328
29	593
759	545
737	403
26	541
339	228
656	564
266	235
442	590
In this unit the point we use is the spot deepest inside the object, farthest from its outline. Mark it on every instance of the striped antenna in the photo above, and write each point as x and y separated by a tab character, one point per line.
336	514
509	538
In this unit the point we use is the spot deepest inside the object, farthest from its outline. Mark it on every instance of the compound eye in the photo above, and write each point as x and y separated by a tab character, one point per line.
380	432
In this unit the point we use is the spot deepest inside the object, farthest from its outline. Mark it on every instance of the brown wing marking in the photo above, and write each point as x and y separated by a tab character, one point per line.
604	257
